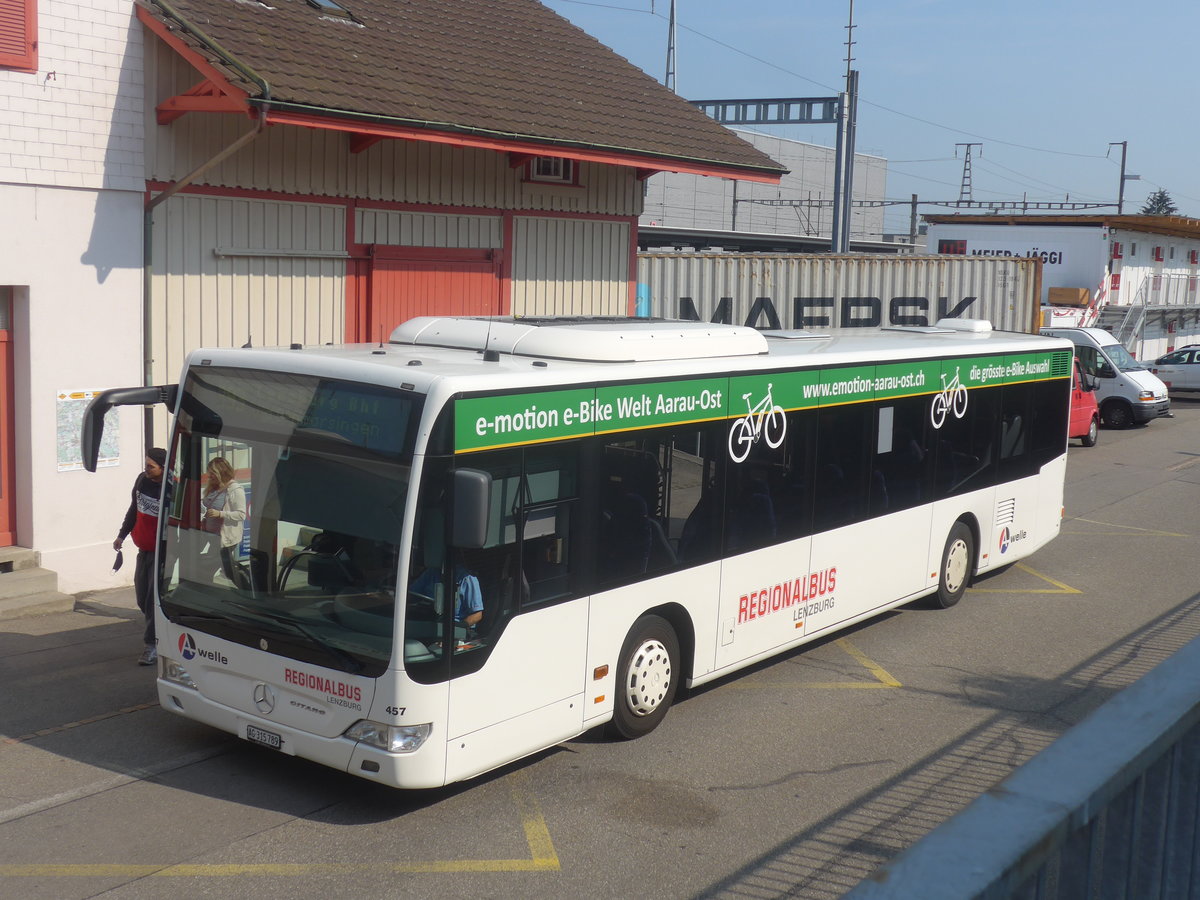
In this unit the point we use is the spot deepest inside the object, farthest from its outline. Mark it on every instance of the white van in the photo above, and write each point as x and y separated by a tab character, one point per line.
1127	391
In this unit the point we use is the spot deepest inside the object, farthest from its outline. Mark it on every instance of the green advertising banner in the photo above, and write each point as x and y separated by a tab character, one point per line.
484	423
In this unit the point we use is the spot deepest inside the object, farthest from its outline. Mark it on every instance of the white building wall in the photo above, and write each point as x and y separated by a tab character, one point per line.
75	260
1081	256
71	182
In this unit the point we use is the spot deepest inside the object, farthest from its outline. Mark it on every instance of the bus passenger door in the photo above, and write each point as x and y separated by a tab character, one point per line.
871	518
517	673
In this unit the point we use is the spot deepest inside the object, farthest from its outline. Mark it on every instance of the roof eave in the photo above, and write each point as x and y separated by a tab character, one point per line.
1171	226
478	138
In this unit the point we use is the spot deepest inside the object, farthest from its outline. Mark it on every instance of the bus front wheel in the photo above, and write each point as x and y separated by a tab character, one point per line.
958	559
647	678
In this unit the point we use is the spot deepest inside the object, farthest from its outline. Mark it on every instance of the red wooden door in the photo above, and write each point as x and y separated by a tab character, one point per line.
427	281
7	439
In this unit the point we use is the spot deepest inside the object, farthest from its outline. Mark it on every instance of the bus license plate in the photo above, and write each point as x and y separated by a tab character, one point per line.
266	738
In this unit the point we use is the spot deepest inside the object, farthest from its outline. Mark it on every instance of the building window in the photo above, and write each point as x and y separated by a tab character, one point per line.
553	170
18	35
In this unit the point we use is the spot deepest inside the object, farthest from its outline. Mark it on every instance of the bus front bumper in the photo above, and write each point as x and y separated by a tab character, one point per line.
422	768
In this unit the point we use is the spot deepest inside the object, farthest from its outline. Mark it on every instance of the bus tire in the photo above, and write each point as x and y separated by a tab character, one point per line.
647	678
958	559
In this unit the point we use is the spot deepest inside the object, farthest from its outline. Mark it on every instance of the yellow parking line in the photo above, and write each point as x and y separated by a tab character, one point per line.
1124	529
873	667
542	858
1059	587
883	678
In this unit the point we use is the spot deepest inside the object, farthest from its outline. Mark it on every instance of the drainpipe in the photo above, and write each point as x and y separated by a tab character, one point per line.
263	104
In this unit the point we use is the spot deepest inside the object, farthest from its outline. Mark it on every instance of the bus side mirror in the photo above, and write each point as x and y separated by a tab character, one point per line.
1104	370
93	417
472	502
1091	383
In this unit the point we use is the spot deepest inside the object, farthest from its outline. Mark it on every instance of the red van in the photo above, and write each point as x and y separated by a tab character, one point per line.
1085	414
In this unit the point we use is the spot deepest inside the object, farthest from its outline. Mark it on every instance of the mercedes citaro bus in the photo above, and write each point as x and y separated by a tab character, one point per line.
490	535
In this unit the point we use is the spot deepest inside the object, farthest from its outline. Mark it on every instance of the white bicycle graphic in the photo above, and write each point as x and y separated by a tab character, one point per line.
953	396
763	419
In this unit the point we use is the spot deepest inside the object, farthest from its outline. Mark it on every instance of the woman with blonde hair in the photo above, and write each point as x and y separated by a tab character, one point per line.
224	510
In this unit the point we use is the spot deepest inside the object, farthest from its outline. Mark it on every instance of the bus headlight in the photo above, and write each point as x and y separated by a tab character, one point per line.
392	738
174	672
1147	396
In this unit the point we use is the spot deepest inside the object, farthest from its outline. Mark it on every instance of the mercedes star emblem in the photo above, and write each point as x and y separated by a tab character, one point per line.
264	698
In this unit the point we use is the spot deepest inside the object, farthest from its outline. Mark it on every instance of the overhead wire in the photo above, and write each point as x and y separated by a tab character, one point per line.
868	102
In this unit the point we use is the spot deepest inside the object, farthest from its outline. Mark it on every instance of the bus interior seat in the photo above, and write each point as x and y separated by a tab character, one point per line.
662	554
502	584
1012	440
330	567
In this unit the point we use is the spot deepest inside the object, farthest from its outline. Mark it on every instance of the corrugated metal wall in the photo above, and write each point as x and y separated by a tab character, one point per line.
570	267
413	229
230	270
897	289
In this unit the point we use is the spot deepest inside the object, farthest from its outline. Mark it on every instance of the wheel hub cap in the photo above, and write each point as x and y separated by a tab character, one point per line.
649	678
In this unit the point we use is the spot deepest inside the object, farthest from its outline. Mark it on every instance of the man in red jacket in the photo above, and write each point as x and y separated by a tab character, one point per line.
141	521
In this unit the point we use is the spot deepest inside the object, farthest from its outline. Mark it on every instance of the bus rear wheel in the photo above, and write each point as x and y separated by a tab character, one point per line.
647	678
958	559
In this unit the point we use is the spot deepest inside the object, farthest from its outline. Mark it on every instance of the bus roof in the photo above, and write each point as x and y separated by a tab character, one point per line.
525	353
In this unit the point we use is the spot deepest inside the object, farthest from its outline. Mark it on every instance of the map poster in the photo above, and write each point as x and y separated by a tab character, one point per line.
69	423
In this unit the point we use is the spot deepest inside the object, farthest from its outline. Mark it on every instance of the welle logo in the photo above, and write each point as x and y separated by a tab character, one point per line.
188	650
1008	538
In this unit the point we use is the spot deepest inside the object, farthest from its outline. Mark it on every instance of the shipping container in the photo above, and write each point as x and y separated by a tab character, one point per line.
824	291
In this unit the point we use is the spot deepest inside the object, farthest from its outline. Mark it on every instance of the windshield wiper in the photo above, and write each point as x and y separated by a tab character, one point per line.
348	662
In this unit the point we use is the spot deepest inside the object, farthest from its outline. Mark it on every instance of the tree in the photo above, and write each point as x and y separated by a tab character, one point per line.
1160	204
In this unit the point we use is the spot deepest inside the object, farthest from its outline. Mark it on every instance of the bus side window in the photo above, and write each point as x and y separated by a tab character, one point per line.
547	570
768	498
660	503
1051	409
966	447
902	454
842	475
1015	427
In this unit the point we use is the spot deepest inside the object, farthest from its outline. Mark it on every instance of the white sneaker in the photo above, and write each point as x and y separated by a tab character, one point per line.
149	656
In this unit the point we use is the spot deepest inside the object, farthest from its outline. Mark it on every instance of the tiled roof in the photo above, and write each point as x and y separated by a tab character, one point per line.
507	69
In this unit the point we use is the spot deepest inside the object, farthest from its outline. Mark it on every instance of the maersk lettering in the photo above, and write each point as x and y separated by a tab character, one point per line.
831	312
815	586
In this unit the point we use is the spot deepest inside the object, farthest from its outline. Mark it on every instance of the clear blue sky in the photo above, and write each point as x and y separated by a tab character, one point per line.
1044	86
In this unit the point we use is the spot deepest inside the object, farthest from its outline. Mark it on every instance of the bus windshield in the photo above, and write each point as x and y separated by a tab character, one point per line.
285	514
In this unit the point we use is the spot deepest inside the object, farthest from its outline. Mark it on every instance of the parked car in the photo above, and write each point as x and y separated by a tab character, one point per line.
1179	370
1085	413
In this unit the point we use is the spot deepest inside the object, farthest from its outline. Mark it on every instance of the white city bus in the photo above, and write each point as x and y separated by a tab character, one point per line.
639	505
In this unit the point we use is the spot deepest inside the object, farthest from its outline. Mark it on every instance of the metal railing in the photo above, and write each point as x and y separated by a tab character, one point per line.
1112	809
